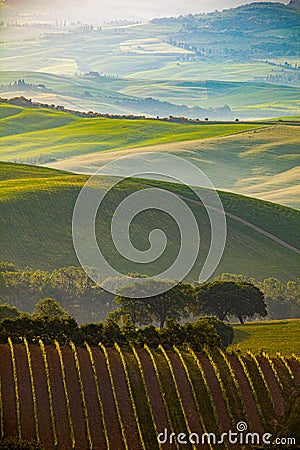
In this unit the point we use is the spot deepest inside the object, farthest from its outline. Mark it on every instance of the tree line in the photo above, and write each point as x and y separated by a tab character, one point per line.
50	322
87	302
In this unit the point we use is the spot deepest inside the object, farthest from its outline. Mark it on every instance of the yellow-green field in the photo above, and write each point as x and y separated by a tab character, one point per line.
31	132
273	336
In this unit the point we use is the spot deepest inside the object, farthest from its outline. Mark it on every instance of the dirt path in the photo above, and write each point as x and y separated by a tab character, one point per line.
126	411
110	412
278	399
249	401
94	414
159	412
75	399
25	393
41	391
186	395
8	393
59	400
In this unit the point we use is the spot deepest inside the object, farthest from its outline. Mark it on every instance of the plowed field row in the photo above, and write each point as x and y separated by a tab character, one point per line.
116	399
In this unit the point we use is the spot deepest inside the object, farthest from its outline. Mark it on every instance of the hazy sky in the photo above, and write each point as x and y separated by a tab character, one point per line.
96	11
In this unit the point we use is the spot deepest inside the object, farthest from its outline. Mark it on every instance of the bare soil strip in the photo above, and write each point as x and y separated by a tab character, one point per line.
212	381
159	412
25	394
126	411
41	391
249	401
59	401
8	393
110	412
75	399
278	400
186	395
94	413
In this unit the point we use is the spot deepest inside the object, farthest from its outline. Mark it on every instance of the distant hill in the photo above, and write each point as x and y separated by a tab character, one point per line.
259	29
36	206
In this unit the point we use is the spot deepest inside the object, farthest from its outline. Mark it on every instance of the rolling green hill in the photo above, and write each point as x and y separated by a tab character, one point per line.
36	215
28	133
262	163
257	160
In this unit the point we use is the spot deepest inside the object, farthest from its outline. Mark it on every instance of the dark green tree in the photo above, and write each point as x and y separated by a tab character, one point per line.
225	299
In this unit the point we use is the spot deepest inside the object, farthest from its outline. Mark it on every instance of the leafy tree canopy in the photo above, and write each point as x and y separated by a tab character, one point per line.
225	299
173	303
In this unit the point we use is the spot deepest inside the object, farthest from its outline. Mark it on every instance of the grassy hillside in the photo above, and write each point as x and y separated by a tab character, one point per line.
274	336
256	160
262	163
28	133
37	205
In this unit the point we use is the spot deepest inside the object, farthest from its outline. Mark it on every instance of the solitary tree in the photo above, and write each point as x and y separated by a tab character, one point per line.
228	298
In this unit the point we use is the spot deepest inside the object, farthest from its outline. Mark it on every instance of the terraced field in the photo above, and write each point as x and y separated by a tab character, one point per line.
111	398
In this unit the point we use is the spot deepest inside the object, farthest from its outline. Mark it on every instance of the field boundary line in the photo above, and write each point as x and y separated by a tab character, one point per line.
118	348
48	381
141	370
83	400
15	375
185	367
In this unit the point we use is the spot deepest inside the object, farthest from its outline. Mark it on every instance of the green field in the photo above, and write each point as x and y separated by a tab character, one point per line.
37	206
271	337
30	133
257	160
262	163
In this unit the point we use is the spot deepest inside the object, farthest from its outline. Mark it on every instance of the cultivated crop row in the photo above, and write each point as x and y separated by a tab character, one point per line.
117	398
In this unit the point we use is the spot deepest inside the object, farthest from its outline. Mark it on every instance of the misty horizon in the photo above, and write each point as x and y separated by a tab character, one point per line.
99	11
